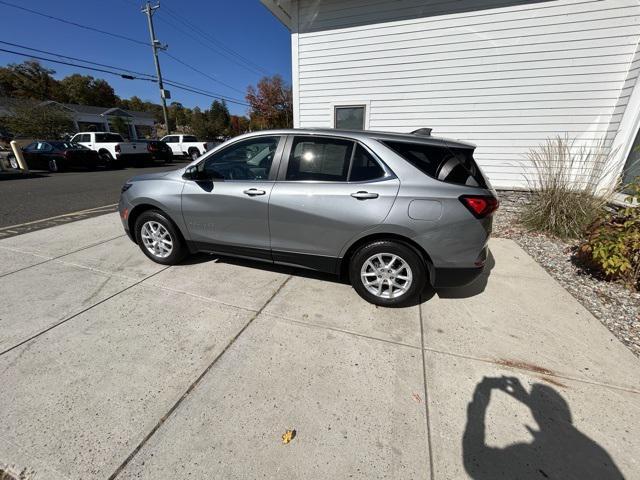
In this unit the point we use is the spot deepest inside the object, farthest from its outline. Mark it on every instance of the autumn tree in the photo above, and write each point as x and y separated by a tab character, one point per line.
271	104
30	118
29	79
86	90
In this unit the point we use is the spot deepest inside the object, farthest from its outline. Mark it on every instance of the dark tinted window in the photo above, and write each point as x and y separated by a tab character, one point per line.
351	118
246	160
188	138
108	138
364	166
451	165
320	159
65	145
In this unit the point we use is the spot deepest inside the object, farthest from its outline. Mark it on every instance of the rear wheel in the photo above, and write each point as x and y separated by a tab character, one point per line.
387	273
194	153
107	159
159	239
53	165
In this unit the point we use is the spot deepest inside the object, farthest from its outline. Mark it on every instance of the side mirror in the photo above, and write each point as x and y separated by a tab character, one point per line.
191	173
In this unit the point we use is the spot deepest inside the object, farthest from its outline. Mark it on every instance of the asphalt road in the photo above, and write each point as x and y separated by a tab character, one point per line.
44	195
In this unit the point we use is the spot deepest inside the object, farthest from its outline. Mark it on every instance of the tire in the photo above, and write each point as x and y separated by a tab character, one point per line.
156	221
194	154
53	165
396	273
107	159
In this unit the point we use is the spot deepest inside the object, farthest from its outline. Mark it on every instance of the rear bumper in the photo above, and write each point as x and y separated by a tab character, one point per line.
455	277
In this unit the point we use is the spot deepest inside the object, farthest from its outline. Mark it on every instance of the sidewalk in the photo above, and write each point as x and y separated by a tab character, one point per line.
115	367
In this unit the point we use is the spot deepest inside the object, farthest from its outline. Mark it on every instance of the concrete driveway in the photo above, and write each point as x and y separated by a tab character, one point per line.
114	367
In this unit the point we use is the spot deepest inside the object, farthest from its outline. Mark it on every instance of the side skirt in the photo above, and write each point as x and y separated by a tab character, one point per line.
301	260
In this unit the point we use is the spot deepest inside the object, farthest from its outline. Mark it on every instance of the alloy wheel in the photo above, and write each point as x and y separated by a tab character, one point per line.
386	275
156	239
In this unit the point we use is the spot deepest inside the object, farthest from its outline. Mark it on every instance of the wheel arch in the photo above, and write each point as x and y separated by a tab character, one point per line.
343	268
139	209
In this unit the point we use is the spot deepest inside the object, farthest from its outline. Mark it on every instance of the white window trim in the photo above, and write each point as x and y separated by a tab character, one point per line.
356	103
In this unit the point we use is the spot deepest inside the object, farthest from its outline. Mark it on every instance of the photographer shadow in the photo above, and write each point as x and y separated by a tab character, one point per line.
558	450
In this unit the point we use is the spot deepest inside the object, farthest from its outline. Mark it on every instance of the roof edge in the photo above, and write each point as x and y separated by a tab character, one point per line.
282	10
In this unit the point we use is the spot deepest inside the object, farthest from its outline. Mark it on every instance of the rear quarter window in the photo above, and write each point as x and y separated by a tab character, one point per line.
450	165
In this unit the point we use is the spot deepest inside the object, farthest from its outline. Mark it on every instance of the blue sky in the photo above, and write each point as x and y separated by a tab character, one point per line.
244	26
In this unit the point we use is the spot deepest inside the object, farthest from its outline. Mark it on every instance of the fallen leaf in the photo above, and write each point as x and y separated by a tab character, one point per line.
288	436
417	398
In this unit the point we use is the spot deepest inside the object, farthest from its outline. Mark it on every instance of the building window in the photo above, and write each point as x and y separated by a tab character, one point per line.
350	117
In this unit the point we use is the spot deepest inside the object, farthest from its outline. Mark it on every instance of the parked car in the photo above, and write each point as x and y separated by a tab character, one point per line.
158	151
112	149
58	155
8	158
391	211
187	145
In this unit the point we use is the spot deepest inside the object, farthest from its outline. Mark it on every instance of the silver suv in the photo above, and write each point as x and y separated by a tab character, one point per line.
390	211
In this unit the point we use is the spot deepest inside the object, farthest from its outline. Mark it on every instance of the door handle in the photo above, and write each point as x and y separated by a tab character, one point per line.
361	195
252	192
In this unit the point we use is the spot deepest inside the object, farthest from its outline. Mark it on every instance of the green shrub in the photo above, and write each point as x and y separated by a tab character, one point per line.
569	186
613	243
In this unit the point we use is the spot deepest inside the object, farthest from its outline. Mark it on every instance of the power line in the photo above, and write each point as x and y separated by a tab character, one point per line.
179	85
203	73
118	68
76	59
95	69
207	94
68	22
214	40
208	46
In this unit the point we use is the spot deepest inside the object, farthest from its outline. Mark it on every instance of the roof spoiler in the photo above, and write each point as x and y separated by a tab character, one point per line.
423	131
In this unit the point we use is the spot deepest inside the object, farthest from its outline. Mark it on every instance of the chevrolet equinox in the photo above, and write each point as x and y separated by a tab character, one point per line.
390	211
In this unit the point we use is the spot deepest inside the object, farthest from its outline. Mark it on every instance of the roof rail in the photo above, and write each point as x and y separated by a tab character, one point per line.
423	131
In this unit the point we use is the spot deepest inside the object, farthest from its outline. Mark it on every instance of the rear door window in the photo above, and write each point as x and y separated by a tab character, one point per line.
364	167
188	138
319	159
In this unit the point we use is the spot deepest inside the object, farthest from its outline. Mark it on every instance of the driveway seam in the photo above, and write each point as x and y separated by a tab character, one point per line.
193	385
426	394
335	329
543	374
64	320
51	259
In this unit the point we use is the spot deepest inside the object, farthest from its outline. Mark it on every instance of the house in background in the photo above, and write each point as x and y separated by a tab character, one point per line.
504	74
101	119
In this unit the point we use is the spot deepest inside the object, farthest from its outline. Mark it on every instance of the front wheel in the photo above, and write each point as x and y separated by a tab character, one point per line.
387	273
159	239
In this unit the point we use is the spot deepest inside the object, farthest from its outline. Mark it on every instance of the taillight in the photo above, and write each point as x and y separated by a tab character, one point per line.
480	205
118	148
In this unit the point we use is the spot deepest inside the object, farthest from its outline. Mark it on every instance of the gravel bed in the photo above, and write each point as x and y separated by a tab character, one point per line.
614	305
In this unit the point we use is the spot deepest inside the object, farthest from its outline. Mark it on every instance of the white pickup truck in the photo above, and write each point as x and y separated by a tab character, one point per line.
187	145
112	149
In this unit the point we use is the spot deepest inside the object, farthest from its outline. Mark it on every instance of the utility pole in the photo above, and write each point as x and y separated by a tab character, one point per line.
155	46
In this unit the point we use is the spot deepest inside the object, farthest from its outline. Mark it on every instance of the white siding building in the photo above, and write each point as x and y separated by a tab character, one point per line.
504	74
